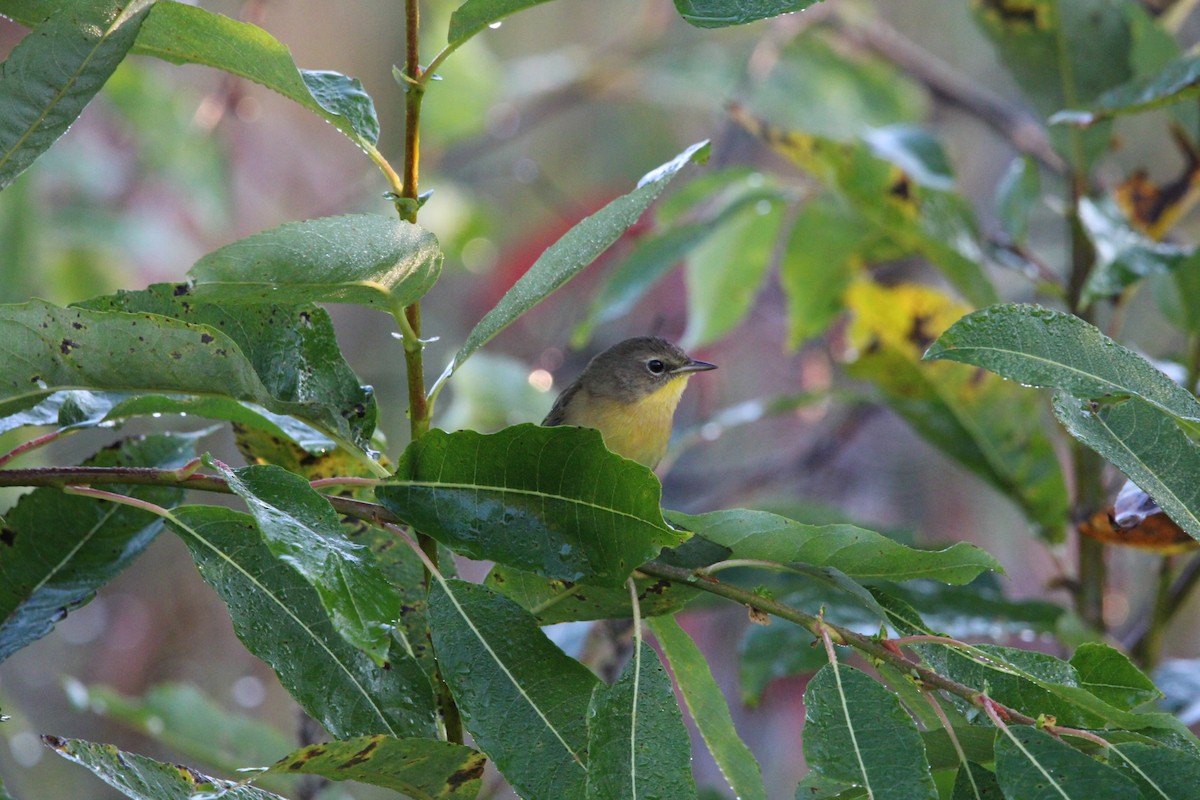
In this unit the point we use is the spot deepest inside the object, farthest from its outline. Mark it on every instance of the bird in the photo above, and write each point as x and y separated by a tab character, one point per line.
629	393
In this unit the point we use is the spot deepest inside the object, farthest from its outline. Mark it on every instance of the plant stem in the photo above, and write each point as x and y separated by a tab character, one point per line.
1149	647
883	650
409	319
870	647
1087	466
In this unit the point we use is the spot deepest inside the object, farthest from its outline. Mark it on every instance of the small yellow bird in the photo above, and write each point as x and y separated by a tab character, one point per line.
629	393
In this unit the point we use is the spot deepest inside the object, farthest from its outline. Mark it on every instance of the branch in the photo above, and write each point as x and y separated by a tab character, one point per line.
872	648
1013	122
876	649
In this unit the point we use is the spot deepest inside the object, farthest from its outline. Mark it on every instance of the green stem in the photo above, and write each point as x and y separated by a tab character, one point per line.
870	647
883	650
1149	647
1087	466
409	319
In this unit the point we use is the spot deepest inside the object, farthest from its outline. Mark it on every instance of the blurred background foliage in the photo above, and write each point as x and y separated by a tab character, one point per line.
533	126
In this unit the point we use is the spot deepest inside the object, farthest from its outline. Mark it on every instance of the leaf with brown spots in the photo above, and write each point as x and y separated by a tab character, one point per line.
421	768
990	426
914	205
142	778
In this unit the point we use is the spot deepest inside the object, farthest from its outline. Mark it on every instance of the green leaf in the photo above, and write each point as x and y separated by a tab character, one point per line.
723	13
144	778
279	618
582	512
302	530
708	709
1063	53
855	730
56	550
637	745
55	71
185	719
576	249
991	427
1124	255
898	192
973	782
1147	445
1176	82
1017	193
1041	347
859	553
1111	676
689	218
185	34
652	259
976	610
475	15
1037	683
1162	773
1034	765
422	768
553	600
343	98
368	259
726	270
523	700
285	358
826	246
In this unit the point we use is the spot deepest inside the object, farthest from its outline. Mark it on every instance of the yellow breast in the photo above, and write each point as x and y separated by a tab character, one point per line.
639	430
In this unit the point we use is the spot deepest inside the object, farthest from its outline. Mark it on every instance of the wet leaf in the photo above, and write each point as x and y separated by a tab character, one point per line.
142	778
523	700
55	71
855	730
1147	445
723	13
552	501
424	768
301	529
366	259
1033	764
186	34
1041	347
285	358
57	550
280	619
576	249
857	552
708	709
1110	675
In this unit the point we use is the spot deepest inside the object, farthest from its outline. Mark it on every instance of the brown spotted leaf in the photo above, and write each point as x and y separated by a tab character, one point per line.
899	192
425	768
143	778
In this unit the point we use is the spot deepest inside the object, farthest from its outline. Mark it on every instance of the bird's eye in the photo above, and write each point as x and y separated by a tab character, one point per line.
656	366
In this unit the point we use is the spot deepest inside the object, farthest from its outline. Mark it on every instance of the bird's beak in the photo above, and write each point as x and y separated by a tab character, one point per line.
695	366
